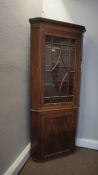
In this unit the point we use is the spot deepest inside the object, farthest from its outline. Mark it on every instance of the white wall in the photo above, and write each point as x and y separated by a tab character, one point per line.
83	12
14	76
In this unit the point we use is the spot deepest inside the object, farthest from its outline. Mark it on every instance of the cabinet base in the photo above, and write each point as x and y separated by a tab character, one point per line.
52	156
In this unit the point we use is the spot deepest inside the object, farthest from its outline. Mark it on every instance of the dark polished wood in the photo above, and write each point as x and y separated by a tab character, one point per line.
54	106
51	21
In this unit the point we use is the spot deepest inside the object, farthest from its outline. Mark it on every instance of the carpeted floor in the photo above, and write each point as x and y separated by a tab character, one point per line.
82	162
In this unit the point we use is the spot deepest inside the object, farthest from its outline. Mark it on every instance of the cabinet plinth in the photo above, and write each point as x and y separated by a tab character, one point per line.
55	70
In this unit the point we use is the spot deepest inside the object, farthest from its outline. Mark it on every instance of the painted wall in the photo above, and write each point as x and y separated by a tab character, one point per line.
83	12
14	77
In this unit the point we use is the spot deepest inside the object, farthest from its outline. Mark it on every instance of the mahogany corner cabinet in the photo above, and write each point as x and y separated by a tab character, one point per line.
55	68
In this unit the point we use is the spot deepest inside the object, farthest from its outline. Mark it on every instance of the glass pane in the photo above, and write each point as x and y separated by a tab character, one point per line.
59	69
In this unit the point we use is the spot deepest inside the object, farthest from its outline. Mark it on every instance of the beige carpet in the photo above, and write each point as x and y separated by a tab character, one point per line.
82	162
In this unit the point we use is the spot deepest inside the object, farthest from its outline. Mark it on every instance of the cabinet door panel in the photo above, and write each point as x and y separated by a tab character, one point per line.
60	58
58	133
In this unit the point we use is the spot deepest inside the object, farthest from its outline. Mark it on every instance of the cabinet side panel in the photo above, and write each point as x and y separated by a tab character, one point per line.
78	71
35	69
35	135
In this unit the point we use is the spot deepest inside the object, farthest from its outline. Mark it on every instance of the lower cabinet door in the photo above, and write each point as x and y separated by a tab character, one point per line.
58	133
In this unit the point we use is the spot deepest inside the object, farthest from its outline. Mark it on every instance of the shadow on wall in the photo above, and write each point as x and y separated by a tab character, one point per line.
81	12
85	13
89	85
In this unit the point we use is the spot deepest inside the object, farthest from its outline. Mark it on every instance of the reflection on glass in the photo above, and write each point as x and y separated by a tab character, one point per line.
59	69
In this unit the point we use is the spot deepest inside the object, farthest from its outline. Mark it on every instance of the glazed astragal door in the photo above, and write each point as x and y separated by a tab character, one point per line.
55	59
60	69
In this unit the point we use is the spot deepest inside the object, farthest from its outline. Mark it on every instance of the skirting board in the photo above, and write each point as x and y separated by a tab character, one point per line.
19	162
87	143
23	157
